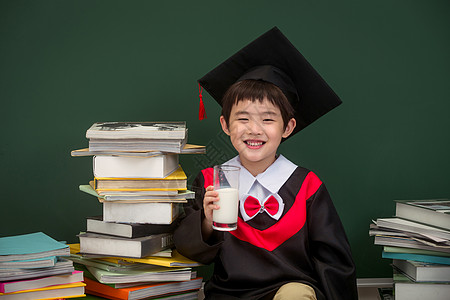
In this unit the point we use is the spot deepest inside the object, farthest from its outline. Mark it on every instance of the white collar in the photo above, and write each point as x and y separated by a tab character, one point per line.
281	169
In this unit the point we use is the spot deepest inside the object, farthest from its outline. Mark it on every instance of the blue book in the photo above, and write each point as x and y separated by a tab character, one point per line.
31	246
417	257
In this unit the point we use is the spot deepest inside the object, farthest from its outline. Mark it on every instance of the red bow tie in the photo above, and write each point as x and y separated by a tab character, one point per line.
252	206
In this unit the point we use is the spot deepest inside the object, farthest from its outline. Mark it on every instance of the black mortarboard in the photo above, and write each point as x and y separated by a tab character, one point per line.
273	58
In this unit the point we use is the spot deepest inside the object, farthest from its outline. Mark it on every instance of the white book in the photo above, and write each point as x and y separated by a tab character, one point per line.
100	244
138	130
144	213
36	283
422	272
434	212
421	291
158	166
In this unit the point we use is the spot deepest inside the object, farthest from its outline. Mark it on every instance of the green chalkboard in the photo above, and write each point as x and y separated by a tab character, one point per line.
67	64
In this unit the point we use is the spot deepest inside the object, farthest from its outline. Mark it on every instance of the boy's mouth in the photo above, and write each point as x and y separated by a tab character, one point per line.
254	144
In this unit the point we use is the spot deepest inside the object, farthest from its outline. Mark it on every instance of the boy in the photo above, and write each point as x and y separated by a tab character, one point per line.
290	243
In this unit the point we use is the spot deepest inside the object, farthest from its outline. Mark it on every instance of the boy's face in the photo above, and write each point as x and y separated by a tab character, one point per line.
255	130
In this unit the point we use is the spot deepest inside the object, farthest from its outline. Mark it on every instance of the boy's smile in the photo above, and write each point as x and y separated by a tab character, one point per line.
256	129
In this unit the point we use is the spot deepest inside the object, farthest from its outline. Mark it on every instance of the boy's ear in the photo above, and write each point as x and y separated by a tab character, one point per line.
223	122
289	128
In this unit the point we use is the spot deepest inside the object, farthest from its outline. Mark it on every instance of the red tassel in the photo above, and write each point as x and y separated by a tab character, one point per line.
201	111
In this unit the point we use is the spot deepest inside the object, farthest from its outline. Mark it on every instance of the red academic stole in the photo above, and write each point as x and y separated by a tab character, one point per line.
286	227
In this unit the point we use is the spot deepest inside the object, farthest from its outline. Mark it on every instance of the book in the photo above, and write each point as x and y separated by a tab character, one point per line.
413	227
36	283
70	290
75	249
422	272
31	246
137	145
93	243
29	263
187	149
159	166
145	213
414	251
155	274
62	266
175	181
144	291
408	242
177	260
435	212
132	197
417	257
429	239
120	193
138	130
128	230
406	289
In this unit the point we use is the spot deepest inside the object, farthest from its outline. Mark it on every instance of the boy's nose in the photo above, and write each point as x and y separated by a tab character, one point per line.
254	127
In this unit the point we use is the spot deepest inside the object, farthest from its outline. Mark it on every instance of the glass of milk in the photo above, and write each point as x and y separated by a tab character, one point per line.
226	182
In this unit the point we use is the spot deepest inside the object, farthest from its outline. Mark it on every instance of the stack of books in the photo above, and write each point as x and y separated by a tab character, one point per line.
32	266
417	240
142	187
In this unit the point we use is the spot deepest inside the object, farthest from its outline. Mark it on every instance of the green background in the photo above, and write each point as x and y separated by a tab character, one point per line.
68	64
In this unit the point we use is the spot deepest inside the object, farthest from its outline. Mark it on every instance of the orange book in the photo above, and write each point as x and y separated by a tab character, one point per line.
149	290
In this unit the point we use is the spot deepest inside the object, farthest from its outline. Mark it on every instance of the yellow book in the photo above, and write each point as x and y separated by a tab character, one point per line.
70	290
177	260
175	181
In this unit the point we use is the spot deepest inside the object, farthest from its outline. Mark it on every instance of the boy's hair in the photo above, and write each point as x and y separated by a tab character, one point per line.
253	90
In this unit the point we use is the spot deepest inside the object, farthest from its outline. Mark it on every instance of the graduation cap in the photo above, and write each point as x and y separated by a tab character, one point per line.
273	58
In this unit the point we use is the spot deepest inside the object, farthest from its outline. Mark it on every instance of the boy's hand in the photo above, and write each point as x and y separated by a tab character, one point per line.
209	204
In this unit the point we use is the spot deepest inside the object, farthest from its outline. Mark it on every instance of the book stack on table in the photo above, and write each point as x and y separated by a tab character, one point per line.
34	266
417	240
141	185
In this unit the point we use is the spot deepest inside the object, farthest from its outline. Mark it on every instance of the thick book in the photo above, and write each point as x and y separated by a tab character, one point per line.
155	274
144	291
144	213
135	167
406	289
187	149
137	145
435	212
413	227
42	282
100	244
175	181
132	197
128	230
31	246
422	272
51	292
137	130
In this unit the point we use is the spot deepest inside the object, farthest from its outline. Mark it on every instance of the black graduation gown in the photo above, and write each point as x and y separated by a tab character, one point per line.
307	244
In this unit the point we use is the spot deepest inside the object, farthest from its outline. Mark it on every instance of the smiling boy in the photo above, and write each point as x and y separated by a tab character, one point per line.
290	243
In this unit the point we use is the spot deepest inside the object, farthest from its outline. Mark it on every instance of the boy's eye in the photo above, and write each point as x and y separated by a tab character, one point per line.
242	119
268	120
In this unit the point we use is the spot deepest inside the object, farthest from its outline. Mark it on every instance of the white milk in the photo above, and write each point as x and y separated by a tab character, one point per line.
228	212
